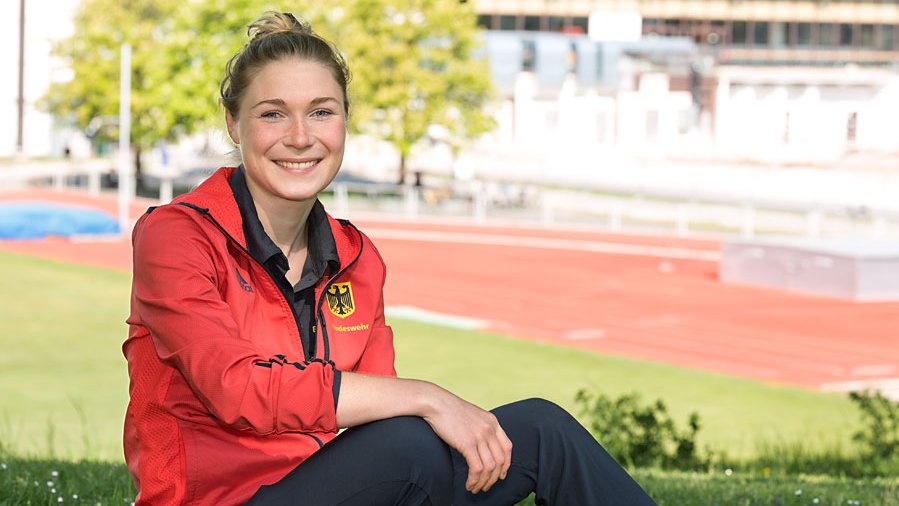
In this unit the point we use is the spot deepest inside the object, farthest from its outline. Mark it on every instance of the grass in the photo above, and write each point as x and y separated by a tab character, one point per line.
64	385
739	415
51	481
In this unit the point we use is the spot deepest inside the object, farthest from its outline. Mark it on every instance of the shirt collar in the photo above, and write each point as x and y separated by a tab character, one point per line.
321	248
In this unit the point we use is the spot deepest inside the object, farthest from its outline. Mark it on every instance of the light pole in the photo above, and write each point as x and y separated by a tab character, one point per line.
20	101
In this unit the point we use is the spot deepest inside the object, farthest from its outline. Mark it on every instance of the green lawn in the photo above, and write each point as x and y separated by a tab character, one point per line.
63	389
45	481
64	383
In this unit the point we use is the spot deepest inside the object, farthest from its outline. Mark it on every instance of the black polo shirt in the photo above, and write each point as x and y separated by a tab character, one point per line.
321	255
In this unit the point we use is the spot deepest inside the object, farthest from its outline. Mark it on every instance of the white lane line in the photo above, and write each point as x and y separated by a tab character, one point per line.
434	317
545	243
584	334
889	387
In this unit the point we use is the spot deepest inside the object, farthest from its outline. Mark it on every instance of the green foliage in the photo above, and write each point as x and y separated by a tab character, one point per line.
880	433
413	69
641	435
412	60
92	53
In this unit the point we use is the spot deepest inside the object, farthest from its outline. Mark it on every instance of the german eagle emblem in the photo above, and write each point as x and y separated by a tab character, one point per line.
340	299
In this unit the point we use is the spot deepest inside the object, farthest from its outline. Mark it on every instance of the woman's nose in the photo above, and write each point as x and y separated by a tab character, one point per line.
299	134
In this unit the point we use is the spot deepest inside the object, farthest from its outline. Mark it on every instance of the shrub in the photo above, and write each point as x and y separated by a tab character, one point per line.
880	434
641	435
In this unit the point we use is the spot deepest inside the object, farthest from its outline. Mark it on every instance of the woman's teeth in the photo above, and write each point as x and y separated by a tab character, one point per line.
297	165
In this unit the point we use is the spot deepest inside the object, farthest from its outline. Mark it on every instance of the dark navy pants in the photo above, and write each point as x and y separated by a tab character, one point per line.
400	461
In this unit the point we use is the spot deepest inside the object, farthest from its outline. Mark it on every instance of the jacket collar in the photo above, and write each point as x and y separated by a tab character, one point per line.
215	195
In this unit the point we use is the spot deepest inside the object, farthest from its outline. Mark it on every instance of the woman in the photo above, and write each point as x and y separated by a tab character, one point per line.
257	332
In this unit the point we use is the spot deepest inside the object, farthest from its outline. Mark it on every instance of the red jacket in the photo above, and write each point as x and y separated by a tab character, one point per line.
222	399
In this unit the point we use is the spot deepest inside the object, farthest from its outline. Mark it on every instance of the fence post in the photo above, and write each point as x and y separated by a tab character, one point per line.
341	199
93	179
411	194
480	206
748	226
546	208
615	213
683	218
813	223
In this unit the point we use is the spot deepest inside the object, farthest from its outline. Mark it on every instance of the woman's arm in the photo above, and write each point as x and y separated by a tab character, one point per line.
473	432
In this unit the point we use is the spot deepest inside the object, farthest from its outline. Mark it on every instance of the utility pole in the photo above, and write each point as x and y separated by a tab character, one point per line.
20	101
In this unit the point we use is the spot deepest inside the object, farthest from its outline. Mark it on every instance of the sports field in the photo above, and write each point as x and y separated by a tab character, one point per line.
494	314
648	305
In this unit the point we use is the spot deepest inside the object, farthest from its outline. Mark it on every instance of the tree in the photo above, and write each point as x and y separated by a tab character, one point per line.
412	63
90	99
414	69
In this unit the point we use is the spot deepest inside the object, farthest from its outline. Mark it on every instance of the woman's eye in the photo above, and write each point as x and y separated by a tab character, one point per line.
321	113
271	114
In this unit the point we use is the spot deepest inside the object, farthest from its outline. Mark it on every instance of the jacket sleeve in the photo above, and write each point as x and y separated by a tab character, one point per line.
176	297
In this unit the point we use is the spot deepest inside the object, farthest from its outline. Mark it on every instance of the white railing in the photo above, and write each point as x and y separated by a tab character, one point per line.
618	208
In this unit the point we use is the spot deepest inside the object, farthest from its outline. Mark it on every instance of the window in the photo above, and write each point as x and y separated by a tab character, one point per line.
556	23
867	36
532	23
887	38
528	55
779	34
760	34
804	34
508	23
826	35
845	35
580	24
485	21
738	33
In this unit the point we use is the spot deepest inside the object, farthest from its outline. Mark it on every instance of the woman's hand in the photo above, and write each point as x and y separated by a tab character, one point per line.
477	435
473	432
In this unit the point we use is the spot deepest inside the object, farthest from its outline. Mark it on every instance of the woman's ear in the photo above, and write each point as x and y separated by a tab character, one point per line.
232	128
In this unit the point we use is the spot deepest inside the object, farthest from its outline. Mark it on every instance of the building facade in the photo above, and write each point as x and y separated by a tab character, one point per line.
770	80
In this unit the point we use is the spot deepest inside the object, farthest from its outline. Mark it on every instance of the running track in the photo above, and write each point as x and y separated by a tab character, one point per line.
654	298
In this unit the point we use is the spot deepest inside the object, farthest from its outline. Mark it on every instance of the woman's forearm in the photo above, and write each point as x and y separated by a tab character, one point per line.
366	398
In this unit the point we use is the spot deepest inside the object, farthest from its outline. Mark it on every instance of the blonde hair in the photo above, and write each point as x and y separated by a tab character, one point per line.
275	36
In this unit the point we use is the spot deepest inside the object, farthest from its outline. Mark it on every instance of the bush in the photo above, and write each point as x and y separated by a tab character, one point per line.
880	435
641	435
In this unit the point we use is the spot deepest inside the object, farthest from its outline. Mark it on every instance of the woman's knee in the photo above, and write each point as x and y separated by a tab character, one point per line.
535	412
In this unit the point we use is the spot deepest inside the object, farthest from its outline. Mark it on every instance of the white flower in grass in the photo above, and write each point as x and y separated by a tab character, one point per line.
816	500
52	490
54	473
799	492
728	471
75	496
49	483
3	466
59	500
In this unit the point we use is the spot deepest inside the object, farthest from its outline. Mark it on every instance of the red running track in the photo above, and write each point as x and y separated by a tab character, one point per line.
655	298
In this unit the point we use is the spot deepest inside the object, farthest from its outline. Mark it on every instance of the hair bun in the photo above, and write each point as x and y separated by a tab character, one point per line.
274	23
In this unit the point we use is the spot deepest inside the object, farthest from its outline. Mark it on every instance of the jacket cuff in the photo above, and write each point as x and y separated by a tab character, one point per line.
335	388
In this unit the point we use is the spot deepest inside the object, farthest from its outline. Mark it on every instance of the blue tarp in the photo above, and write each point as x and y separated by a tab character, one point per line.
35	220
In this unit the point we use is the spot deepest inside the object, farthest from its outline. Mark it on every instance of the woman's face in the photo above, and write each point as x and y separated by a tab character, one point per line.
291	129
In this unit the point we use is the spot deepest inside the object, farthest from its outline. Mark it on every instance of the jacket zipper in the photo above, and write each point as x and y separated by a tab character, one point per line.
320	317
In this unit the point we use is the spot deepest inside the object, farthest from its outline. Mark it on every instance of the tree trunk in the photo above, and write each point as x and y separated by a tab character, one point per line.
402	179
138	174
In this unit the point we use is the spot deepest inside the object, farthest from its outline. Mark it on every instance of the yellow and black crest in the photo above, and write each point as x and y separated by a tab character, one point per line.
340	299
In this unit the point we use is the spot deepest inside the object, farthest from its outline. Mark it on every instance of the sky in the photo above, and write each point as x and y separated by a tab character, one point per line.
45	20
